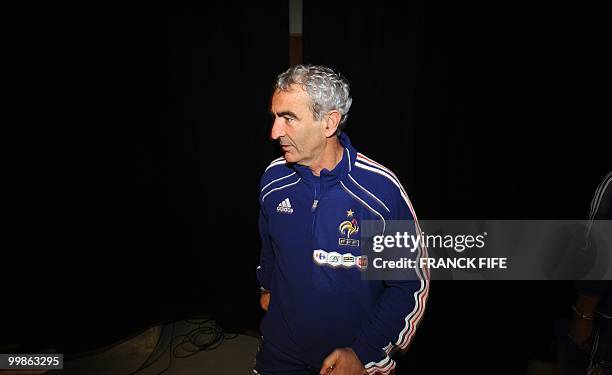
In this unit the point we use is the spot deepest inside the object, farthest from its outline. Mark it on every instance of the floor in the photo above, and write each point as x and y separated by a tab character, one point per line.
181	348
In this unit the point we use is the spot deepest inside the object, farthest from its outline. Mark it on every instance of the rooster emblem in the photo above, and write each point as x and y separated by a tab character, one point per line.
350	227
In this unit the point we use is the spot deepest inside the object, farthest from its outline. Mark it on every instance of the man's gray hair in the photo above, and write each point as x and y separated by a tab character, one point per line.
327	89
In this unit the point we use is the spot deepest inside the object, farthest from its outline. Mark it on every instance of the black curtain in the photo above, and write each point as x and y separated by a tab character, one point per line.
484	111
135	136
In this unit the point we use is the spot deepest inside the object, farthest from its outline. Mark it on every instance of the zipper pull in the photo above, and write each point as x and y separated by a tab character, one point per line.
314	205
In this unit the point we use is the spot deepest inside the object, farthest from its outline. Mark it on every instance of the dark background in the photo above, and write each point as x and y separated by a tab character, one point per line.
135	134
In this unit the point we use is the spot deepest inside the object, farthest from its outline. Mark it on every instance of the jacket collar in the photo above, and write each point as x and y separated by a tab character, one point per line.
341	170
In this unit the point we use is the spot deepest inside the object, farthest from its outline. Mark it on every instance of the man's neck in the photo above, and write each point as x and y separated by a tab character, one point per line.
329	158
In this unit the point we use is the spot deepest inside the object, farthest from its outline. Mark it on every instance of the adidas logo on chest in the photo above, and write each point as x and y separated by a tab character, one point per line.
285	207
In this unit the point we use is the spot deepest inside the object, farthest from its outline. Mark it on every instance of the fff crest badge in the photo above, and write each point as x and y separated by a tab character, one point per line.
347	229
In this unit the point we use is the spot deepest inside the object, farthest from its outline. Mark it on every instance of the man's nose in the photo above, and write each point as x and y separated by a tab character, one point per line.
278	129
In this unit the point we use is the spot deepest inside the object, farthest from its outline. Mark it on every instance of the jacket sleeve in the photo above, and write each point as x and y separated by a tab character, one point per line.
601	209
266	258
399	310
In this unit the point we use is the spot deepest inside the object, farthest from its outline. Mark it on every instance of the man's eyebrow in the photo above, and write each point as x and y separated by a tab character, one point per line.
286	113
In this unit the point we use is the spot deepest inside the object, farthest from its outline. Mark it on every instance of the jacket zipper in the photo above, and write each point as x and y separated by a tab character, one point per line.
315	202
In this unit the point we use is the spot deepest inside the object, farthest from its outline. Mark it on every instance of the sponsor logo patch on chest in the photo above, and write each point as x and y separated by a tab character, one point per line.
334	259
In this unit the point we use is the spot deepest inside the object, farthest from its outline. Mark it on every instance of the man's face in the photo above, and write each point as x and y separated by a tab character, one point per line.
301	137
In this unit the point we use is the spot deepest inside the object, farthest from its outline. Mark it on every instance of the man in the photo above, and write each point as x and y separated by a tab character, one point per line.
322	317
591	325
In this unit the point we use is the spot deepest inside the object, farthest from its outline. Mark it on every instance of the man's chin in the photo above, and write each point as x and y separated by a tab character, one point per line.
290	157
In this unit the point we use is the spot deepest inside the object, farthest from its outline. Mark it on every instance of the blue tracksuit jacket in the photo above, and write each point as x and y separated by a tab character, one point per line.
314	307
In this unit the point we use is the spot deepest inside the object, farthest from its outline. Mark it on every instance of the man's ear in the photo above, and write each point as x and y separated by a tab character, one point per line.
332	120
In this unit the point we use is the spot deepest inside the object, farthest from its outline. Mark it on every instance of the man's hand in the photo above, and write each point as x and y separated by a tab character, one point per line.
580	331
264	300
342	362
